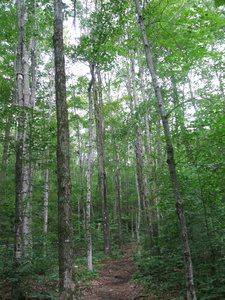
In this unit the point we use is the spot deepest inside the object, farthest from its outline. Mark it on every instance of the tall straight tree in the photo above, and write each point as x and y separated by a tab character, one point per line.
19	170
100	142
139	152
66	278
29	101
23	169
190	288
89	165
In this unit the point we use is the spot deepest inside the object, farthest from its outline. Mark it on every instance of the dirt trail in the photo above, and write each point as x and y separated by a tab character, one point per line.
114	282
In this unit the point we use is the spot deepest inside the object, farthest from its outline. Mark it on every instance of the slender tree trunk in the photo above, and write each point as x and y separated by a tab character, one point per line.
153	198
27	213
99	120
20	150
119	197
153	203
190	289
29	101
140	161
89	165
26	99
81	177
117	180
46	198
65	233
46	176
138	222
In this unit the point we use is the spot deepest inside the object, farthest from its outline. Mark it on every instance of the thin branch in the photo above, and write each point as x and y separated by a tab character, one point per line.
189	100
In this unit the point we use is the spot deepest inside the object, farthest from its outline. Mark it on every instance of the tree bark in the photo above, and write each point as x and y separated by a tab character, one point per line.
99	120
20	170
140	162
117	175
66	270
29	101
190	289
46	176
117	179
45	218
138	221
89	165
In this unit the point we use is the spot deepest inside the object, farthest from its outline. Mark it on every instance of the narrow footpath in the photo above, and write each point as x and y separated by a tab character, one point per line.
114	282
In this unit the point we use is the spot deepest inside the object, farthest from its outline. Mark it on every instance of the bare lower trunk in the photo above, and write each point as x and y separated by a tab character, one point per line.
27	213
45	219
138	222
190	289
81	178
65	234
119	197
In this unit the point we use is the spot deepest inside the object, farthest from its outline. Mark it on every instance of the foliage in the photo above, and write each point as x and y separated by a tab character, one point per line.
219	3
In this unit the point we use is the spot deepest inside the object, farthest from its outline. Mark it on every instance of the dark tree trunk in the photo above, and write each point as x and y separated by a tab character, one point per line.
19	169
66	280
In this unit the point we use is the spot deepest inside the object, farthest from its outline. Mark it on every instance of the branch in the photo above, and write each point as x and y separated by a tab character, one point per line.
189	100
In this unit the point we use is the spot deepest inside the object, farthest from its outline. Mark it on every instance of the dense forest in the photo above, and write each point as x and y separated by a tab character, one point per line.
112	130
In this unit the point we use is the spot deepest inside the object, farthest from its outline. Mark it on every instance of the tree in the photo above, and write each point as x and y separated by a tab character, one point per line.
23	171
190	289
89	171
66	270
100	143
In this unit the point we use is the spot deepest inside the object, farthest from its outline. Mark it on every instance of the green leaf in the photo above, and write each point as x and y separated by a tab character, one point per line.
219	3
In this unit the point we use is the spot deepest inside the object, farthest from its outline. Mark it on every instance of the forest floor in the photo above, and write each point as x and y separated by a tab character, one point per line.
115	280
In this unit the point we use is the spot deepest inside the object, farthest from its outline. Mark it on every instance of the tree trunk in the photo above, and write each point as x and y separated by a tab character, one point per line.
46	177
99	120
138	221
148	149
66	270
117	179
140	162
118	185
29	101
89	165
80	176
45	219
20	170
190	289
